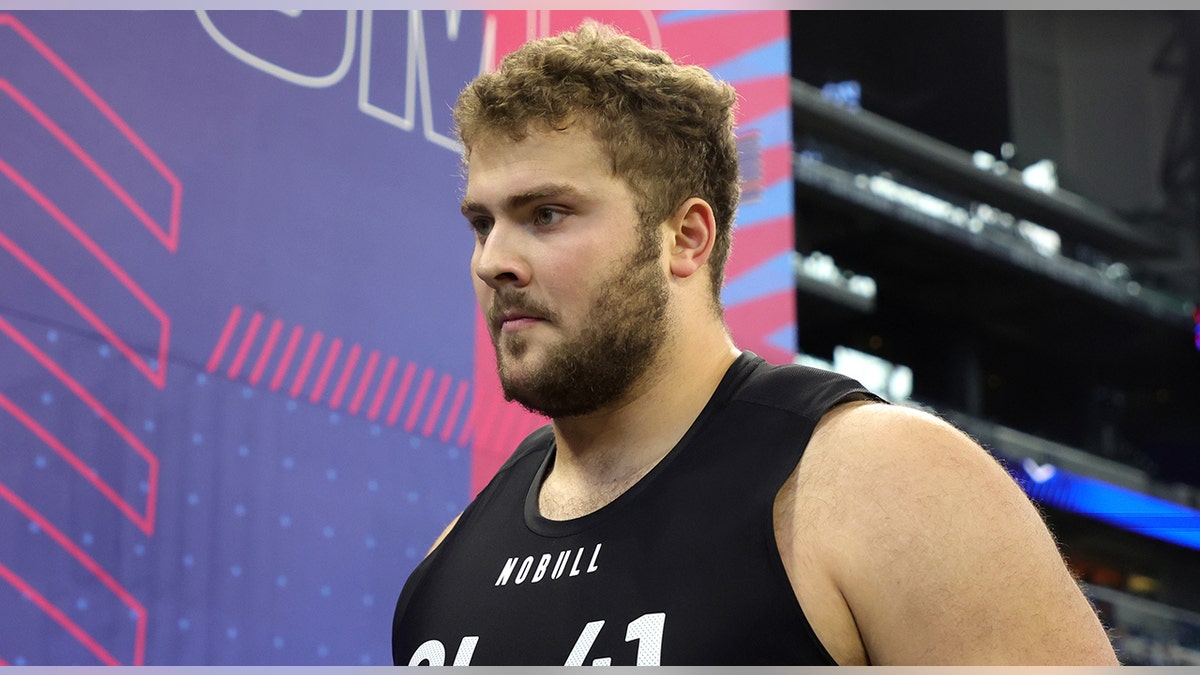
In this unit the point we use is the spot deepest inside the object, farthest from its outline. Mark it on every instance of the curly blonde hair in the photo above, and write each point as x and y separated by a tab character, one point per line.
667	128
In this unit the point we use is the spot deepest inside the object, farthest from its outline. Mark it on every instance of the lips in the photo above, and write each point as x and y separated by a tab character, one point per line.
514	314
516	320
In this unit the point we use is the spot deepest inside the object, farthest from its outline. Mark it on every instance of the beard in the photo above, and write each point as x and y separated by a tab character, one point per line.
621	336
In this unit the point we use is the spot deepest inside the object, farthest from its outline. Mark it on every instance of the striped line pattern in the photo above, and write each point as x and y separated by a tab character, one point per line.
360	383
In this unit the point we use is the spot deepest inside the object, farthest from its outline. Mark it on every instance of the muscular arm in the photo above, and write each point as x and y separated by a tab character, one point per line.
908	544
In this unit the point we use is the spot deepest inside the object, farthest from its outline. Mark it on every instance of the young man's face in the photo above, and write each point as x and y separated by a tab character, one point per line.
574	294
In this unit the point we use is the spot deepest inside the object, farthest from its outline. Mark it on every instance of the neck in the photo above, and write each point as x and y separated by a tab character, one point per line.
600	455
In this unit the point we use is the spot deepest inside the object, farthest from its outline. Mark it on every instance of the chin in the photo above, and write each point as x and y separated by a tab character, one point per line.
519	370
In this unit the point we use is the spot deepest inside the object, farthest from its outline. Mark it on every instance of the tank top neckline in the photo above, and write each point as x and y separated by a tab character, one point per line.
539	524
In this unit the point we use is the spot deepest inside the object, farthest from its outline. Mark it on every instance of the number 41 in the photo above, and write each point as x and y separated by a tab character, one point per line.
647	630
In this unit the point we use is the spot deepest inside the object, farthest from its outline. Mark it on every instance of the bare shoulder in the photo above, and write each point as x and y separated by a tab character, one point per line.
871	440
935	553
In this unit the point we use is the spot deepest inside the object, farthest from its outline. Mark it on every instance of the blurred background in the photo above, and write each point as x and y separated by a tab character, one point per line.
996	217
243	383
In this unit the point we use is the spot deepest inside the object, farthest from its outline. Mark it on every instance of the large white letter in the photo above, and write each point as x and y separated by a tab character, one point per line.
315	81
417	83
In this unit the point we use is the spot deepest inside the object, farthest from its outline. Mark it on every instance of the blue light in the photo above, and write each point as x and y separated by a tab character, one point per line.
846	94
1112	504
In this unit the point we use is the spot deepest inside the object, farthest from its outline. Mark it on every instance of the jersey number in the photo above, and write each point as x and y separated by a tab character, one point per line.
646	630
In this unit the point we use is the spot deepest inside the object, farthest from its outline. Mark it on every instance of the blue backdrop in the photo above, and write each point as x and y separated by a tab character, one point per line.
183	206
242	383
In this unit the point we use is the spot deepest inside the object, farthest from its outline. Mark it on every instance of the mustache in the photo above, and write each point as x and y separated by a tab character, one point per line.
507	301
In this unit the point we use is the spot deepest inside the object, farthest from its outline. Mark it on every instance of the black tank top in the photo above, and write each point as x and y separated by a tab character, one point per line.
681	569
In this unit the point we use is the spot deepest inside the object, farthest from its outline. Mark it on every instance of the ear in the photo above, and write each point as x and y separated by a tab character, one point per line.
693	232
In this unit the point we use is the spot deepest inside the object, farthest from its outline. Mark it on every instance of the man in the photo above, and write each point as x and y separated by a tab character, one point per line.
666	516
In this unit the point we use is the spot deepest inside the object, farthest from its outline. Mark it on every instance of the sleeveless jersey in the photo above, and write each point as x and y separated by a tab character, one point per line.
681	569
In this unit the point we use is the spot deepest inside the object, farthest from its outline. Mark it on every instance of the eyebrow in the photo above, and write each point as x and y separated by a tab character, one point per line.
520	199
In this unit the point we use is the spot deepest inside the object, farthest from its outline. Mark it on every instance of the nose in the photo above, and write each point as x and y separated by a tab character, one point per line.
499	258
